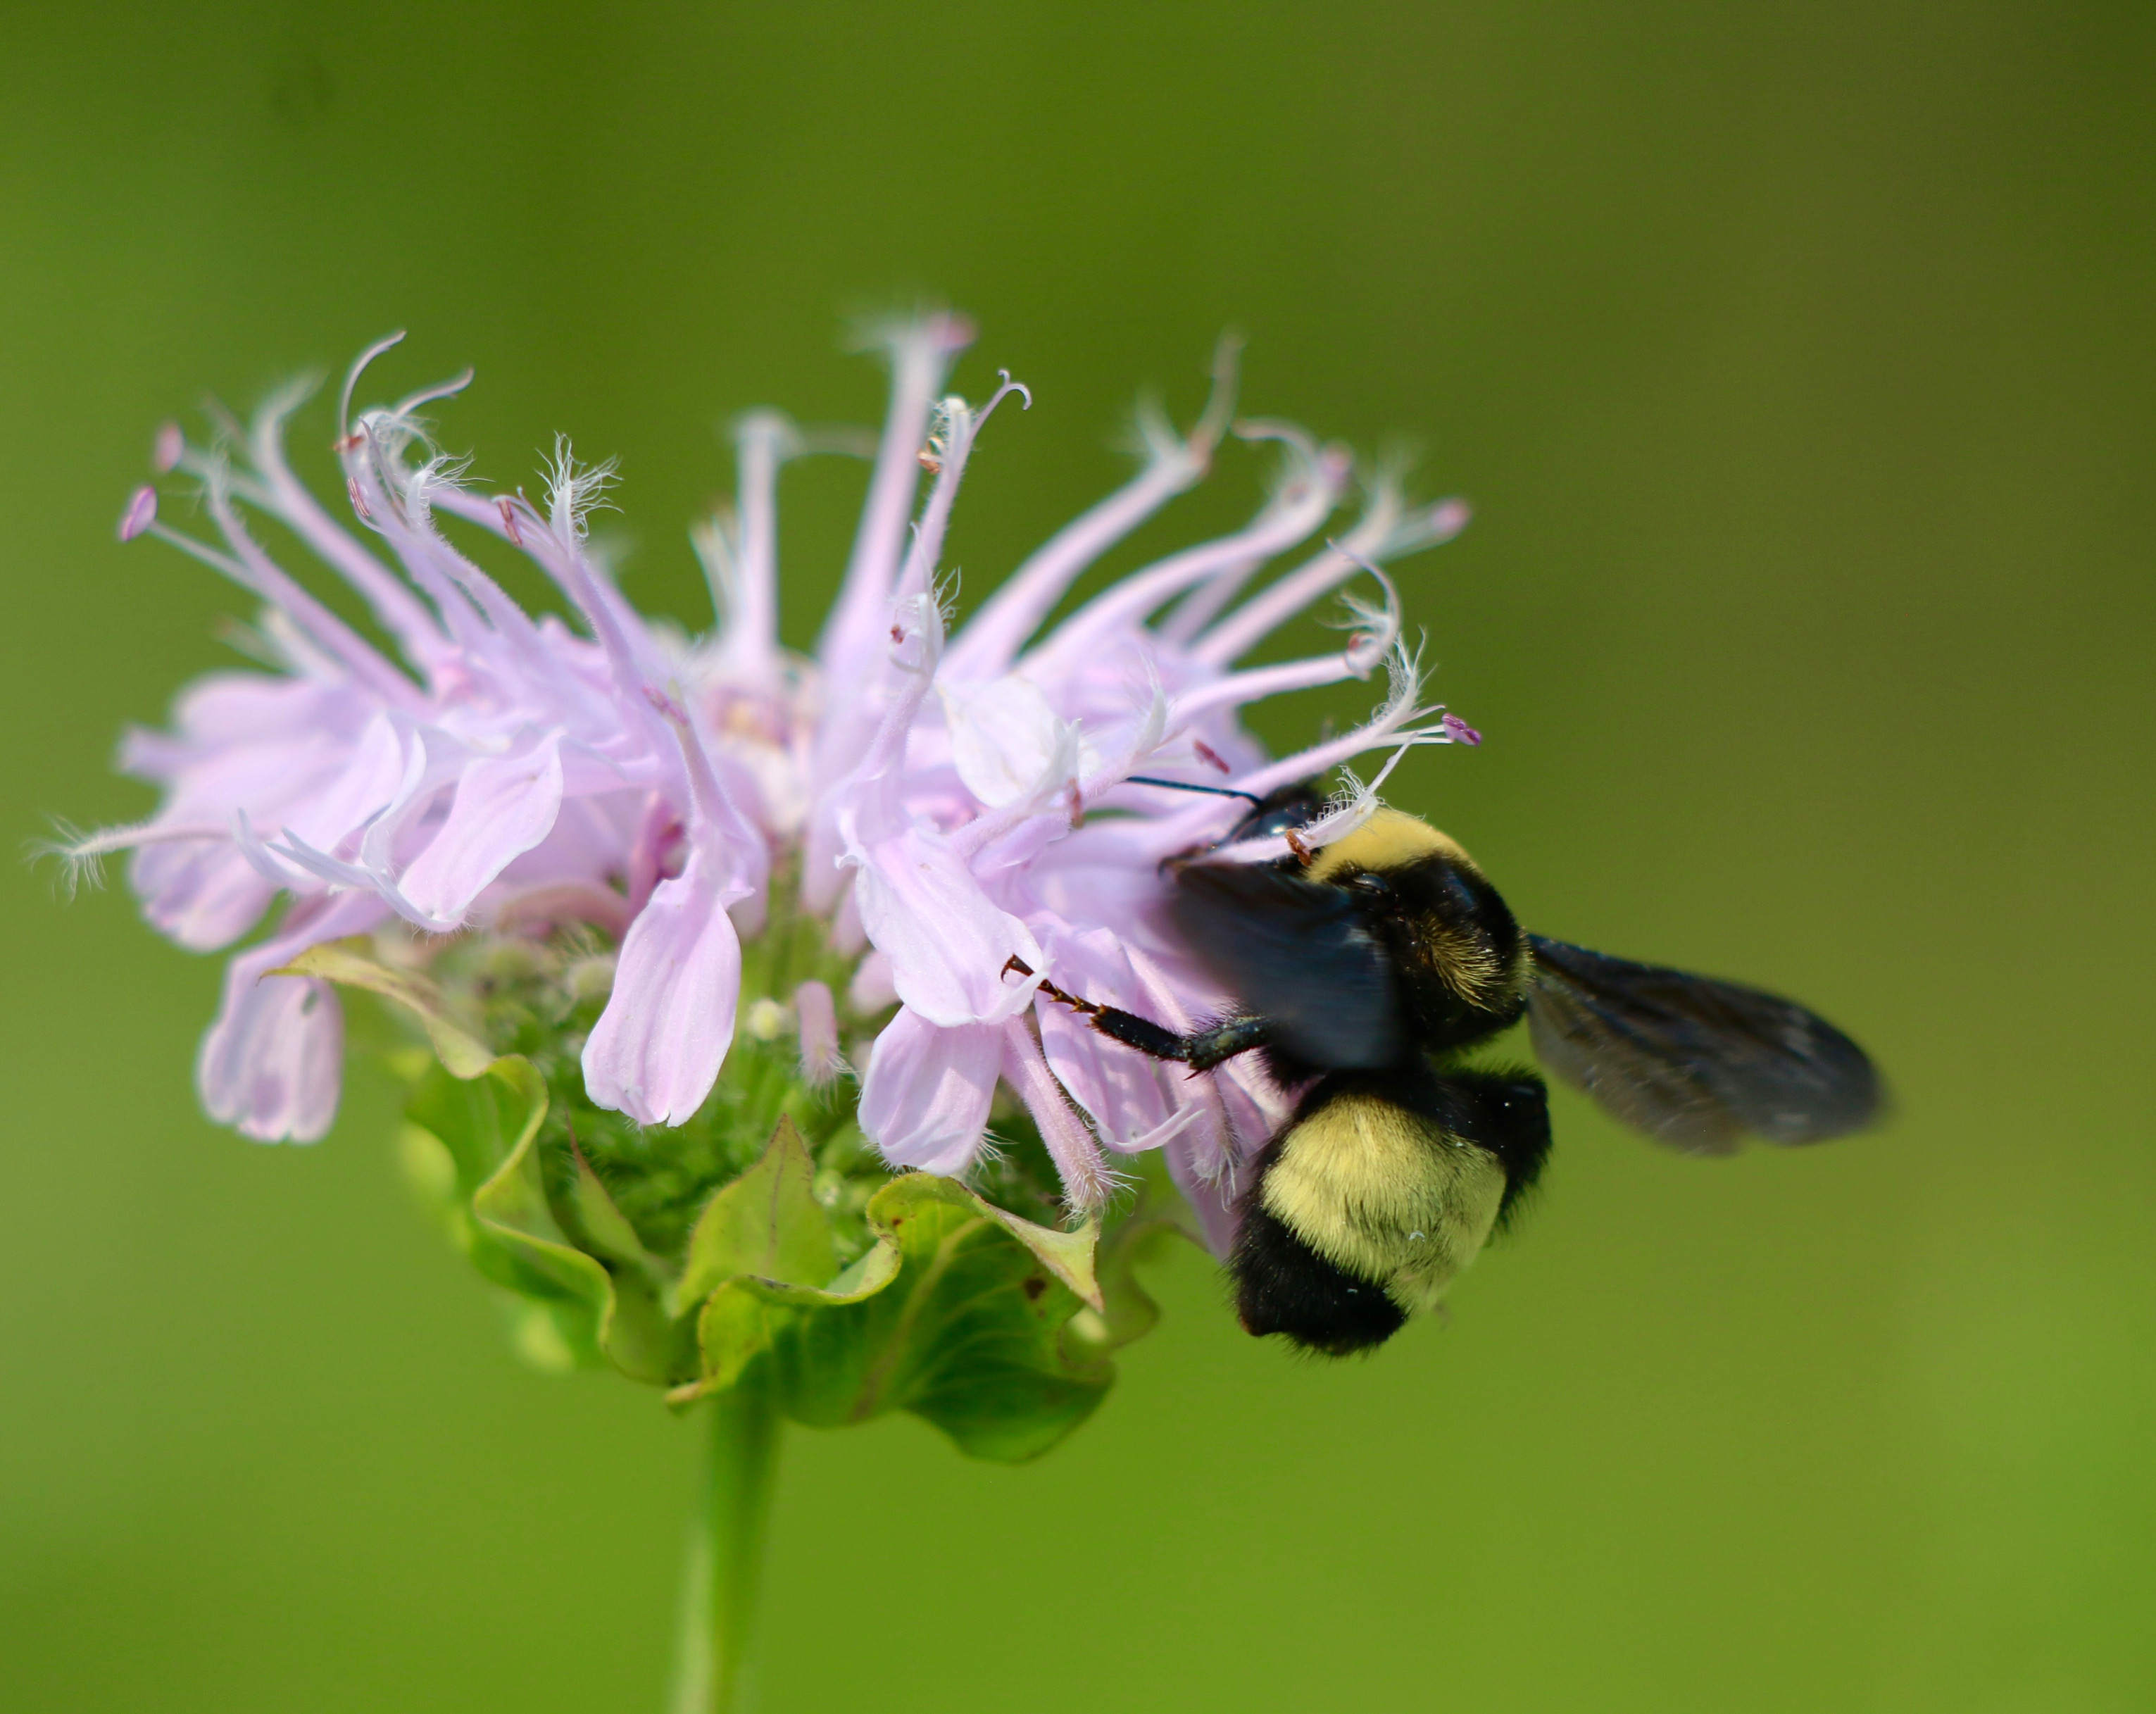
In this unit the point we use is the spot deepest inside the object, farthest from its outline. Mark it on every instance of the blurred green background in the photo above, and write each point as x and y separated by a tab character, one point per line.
1799	363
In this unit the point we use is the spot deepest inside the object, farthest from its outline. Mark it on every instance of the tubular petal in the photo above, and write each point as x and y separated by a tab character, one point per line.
947	943
999	631
925	1100
271	1066
816	1015
656	1049
1122	1092
1087	1183
1005	735
921	350
503	807
1387	532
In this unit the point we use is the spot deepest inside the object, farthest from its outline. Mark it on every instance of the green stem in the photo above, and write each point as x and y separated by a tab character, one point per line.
724	1569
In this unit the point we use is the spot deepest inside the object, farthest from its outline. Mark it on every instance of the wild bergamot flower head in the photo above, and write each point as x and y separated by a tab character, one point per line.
929	802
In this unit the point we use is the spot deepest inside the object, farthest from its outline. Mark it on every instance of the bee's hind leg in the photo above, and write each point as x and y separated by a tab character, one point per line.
1208	1048
1201	1051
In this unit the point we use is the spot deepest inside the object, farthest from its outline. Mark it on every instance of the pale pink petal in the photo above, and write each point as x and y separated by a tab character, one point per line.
282	870
871	988
586	843
504	806
1087	1183
194	890
925	1100
816	1015
1310	487
1005	736
403	616
203	893
657	1048
920	352
1334	465
1386	532
298	865
1119	1089
244	709
372	773
254	569
739	554
1212	1200
271	1065
861	750
1255	685
946	942
993	639
430	765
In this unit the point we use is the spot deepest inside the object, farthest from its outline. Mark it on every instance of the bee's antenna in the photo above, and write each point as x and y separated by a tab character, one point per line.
1189	786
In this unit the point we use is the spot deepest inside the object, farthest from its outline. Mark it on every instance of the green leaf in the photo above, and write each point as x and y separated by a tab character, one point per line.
341	961
768	1223
484	1113
640	1340
955	1315
1067	1255
605	1231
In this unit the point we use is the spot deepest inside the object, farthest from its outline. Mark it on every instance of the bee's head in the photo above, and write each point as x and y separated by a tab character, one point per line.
1279	812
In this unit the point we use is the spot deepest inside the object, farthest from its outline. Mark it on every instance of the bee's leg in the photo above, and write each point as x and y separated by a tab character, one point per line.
1208	1048
1201	1052
1127	1028
1132	1031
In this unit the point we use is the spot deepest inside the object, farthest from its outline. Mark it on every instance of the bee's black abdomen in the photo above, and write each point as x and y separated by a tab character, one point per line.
1507	1113
1282	1286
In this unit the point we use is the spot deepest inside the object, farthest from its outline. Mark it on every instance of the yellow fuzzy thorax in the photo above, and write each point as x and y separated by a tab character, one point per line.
1391	838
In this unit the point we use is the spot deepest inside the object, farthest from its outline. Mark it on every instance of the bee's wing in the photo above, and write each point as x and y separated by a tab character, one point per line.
1296	954
1695	1063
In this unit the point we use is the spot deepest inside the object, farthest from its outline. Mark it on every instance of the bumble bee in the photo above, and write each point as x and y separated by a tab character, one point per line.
1362	972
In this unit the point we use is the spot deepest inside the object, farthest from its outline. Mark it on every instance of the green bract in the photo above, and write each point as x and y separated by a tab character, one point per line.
760	1248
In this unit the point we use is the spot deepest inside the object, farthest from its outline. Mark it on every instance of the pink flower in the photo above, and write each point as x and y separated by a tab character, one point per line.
962	802
493	757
